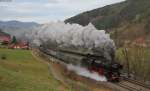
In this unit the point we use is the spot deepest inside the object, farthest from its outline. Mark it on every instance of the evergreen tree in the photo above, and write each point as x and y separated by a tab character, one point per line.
14	40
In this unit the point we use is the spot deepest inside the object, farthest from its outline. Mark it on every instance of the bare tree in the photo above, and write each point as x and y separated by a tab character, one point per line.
125	53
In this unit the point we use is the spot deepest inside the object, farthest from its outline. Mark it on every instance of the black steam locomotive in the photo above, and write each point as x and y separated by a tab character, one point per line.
94	63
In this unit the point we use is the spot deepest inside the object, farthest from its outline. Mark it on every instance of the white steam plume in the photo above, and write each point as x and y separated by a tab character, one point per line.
72	34
66	35
84	72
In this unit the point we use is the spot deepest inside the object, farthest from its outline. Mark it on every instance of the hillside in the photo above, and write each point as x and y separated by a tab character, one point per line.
127	20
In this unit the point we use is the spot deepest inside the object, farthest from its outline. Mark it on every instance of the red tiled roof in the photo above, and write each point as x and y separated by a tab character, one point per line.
5	38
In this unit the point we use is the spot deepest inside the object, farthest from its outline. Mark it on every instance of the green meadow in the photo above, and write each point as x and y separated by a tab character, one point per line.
20	71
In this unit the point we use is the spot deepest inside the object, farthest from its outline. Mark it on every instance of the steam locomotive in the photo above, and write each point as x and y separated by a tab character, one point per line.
94	63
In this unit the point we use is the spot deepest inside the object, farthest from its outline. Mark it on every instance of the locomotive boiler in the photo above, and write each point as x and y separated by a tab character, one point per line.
93	62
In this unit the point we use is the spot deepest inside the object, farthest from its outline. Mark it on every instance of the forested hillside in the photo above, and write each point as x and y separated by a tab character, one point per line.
126	21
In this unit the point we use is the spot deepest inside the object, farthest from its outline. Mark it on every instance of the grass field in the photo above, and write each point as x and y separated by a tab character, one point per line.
20	71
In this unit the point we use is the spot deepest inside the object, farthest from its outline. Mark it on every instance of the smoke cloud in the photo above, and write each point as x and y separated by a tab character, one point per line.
66	35
84	72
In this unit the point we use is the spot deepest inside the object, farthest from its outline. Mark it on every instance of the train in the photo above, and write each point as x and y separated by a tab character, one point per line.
94	63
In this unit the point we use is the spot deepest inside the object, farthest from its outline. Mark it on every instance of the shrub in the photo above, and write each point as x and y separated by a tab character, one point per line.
3	57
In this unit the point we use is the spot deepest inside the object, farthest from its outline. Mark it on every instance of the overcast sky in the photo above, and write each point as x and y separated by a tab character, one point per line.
47	10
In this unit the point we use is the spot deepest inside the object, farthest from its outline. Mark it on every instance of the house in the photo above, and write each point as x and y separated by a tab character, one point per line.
19	45
140	42
4	38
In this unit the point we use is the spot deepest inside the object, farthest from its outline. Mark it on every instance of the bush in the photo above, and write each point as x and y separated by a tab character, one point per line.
3	57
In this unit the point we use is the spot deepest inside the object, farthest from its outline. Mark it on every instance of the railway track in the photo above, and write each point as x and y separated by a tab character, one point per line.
126	87
137	82
132	85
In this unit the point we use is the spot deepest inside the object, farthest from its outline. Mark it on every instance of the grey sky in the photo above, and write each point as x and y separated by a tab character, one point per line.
47	10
